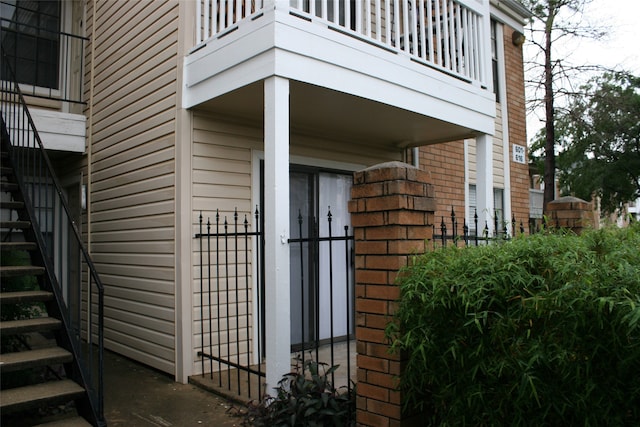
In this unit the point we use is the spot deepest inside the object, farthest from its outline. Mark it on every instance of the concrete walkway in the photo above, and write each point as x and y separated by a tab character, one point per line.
136	395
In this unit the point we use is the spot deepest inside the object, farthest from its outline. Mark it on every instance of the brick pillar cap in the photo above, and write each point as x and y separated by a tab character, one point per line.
391	171
390	165
568	199
569	203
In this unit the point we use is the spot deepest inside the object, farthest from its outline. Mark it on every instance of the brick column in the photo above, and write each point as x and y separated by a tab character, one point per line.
571	213
392	210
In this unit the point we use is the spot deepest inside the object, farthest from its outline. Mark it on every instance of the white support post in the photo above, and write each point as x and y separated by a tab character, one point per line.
484	182
485	49
276	215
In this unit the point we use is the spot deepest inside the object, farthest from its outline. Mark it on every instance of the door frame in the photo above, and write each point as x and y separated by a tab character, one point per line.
257	198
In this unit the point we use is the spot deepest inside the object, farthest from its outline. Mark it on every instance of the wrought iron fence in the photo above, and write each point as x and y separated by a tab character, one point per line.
325	288
227	339
472	234
231	258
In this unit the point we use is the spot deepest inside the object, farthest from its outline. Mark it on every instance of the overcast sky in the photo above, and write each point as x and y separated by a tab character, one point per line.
620	49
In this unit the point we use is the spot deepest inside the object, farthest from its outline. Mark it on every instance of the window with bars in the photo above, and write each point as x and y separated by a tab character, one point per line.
31	41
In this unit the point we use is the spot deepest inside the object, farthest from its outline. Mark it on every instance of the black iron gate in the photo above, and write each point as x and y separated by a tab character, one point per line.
325	284
231	256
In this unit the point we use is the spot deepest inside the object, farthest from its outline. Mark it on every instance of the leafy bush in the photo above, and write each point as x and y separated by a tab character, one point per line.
304	398
544	330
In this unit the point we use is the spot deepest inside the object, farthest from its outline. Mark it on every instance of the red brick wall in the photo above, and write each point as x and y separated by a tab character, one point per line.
514	71
391	213
571	213
445	162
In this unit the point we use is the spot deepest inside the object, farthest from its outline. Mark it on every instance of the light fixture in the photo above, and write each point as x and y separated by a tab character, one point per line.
517	38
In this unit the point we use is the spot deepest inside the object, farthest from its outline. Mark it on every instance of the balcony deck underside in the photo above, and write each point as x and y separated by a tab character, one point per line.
325	113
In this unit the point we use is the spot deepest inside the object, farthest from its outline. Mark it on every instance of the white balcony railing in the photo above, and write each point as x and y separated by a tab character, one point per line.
444	34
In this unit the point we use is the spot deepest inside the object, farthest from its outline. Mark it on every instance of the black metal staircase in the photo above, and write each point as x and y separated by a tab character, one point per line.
51	316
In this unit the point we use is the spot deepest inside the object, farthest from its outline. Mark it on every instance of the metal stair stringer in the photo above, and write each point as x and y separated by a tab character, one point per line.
68	353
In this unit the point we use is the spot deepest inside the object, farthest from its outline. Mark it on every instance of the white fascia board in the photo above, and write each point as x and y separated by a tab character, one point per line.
60	131
463	110
502	17
510	13
226	52
317	42
369	72
229	63
257	68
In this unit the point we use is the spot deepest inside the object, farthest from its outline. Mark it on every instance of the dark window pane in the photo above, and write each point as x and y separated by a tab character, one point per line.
50	24
26	47
31	42
25	71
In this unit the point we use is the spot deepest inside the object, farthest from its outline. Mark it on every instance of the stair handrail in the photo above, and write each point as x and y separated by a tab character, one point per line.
12	100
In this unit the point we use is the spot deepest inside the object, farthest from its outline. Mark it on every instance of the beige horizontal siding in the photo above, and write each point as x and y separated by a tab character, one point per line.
137	148
148	197
134	247
149	234
142	284
137	271
139	183
145	210
222	177
132	182
357	154
143	224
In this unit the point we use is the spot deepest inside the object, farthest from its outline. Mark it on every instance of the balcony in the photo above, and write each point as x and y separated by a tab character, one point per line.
48	64
416	71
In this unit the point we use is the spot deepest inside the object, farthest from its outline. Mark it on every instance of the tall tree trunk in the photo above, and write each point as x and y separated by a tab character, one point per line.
549	148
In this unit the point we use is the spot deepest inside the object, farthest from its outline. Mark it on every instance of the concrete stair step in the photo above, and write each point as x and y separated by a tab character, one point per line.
33	358
13	205
25	297
53	392
39	324
20	270
67	422
18	246
8	186
15	224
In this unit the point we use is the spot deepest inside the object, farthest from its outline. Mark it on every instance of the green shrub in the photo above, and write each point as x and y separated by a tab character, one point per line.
305	397
544	330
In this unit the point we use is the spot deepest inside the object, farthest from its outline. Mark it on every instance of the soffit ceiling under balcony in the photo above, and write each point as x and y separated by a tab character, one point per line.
326	113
